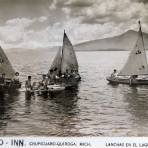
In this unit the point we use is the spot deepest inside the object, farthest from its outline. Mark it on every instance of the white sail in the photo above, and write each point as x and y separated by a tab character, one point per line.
69	60
5	65
56	64
137	61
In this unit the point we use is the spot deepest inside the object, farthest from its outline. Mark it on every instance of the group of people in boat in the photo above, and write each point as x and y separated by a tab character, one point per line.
53	77
54	74
132	78
4	79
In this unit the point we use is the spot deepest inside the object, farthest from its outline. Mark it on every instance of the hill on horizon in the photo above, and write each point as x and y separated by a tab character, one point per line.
125	41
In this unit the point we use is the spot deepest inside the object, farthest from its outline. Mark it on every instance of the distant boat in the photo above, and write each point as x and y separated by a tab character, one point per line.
7	74
65	63
135	70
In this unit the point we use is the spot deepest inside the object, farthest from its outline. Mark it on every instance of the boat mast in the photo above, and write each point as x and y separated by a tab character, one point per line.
142	39
62	51
141	33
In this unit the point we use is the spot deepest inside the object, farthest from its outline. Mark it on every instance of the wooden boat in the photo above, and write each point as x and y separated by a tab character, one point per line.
135	70
51	89
63	72
122	80
65	65
7	74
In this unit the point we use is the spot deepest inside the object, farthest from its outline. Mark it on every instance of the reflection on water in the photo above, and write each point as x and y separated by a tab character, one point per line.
138	107
61	110
5	109
67	109
67	102
95	108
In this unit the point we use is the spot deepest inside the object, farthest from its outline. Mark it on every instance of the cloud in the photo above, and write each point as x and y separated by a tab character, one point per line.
13	30
57	4
83	20
103	11
16	33
123	14
42	19
20	22
79	3
23	8
143	1
115	10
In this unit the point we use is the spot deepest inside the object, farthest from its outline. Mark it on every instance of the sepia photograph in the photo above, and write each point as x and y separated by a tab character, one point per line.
74	68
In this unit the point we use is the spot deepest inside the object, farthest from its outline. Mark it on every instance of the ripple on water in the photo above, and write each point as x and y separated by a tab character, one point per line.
95	108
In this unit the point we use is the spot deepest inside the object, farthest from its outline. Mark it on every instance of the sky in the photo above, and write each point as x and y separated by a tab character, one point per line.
32	24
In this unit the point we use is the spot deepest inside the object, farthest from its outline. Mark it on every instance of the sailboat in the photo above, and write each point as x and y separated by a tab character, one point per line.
7	74
135	70
65	64
63	73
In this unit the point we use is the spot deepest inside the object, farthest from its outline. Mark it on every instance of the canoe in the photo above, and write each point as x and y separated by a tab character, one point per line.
127	81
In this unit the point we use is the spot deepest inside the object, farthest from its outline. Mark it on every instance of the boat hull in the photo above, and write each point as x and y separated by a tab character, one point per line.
58	86
127	81
55	88
10	86
70	82
51	89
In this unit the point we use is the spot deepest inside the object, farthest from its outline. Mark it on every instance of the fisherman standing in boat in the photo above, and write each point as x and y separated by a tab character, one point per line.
28	84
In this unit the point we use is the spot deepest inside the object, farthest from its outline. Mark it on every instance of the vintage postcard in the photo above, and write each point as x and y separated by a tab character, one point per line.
73	69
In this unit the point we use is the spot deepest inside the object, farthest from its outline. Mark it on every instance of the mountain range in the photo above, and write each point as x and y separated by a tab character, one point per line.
125	41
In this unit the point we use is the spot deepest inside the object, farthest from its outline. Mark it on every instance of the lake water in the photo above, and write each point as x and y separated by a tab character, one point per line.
95	108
